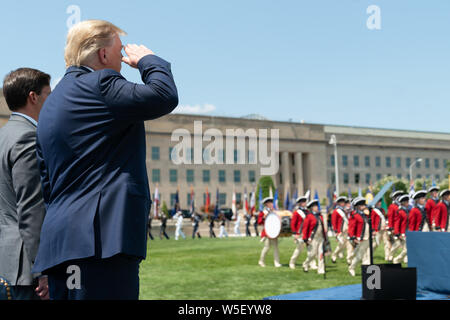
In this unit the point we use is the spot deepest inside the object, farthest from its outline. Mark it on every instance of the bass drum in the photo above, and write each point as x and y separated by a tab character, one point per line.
278	224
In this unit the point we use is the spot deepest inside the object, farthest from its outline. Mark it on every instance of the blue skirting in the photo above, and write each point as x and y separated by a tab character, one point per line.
351	292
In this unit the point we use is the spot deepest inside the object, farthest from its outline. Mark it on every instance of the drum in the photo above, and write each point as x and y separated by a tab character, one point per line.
278	224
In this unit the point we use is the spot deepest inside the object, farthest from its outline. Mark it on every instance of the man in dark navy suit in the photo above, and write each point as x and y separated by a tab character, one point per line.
91	156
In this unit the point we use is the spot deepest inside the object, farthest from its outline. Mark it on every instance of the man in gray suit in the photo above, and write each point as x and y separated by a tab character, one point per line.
22	207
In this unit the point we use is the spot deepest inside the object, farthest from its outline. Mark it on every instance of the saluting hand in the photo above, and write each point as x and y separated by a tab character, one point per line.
135	53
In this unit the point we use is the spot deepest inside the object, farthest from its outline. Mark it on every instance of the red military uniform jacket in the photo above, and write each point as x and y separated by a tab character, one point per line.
392	214
310	225
337	221
376	219
357	225
429	207
441	215
401	221
416	219
298	217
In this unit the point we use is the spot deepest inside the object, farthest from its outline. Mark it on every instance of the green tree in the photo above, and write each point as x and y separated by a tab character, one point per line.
265	183
164	209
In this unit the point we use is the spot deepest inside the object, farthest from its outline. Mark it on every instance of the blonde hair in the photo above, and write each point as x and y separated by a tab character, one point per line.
86	38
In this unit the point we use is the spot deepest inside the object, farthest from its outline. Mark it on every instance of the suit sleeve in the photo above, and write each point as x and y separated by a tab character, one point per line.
45	181
139	102
27	187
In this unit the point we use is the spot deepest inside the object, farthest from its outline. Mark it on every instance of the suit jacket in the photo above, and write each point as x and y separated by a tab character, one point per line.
91	153
22	207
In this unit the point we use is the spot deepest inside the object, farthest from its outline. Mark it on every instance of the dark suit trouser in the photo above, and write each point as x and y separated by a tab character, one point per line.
115	278
24	292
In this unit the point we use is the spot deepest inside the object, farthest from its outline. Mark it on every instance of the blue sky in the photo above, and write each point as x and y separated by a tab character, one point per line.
302	60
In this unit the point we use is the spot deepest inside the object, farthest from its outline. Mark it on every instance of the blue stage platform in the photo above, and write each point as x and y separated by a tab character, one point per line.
428	252
351	292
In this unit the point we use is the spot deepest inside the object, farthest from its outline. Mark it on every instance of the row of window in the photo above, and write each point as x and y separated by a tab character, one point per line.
155	155
388	162
368	177
206	176
222	199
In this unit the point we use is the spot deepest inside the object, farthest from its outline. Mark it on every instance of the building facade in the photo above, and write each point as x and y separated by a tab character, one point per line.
305	159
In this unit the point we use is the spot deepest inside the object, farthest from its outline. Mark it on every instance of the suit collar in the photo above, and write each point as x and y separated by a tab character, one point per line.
20	117
80	69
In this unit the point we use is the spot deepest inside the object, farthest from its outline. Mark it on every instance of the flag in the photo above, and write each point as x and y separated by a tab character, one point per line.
207	201
192	201
433	183
291	205
216	208
349	193
383	204
316	197
156	204
330	199
260	199
359	192
233	204
246	208
411	193
369	196
252	202
286	201
176	204
424	186
308	194
275	200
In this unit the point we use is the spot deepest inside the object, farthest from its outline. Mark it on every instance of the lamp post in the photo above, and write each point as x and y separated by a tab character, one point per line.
333	141
410	168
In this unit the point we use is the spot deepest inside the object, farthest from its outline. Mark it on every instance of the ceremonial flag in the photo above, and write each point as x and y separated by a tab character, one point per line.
433	184
316	197
308	194
176	204
207	201
349	193
216	208
233	204
291	205
286	201
246	208
260	199
369	196
252	202
383	204
156	204
192	201
275	200
359	192
330	199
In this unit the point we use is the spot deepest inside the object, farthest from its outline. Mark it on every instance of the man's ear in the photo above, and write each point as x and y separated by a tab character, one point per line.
102	56
33	97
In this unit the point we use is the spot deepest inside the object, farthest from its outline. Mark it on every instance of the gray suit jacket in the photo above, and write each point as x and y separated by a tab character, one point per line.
22	208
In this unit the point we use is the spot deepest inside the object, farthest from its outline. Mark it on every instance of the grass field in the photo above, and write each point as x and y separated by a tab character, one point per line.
227	269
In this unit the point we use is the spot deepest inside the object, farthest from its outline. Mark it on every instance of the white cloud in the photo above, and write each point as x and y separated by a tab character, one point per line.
198	109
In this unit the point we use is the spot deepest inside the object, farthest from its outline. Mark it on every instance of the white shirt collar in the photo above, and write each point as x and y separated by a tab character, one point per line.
26	117
89	68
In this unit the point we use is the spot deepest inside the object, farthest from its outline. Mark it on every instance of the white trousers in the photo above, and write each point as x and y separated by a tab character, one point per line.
361	253
222	232
267	244
315	251
179	232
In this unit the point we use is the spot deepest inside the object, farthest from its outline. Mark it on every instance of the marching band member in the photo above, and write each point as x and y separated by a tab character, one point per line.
339	222
314	236
298	216
379	228
400	230
431	204
358	232
392	214
268	208
441	212
417	219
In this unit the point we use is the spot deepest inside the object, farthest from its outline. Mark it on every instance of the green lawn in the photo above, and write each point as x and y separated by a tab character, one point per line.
227	269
